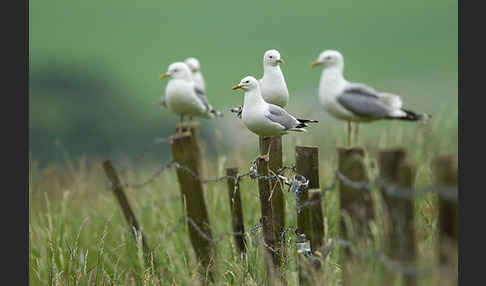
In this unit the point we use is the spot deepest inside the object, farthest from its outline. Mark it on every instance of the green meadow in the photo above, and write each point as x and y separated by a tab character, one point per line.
94	87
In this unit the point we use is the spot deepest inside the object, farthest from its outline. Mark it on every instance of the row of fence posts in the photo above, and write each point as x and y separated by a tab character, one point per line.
400	242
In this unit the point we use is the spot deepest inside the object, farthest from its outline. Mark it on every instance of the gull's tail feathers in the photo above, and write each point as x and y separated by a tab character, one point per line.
307	121
216	113
297	129
413	116
303	123
237	110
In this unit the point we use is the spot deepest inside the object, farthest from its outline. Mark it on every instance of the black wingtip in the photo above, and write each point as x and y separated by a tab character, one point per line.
216	113
413	116
307	121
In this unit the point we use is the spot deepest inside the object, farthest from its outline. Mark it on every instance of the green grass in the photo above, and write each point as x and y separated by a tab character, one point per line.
78	234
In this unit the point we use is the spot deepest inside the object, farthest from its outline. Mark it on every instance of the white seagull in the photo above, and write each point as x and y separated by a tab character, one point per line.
272	84
195	68
265	119
356	102
198	78
181	94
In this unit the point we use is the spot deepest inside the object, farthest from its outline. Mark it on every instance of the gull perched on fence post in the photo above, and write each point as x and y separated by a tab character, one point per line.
356	102
199	83
195	68
181	95
272	84
265	119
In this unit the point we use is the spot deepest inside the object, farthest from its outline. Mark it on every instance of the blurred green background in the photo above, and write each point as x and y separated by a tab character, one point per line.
95	65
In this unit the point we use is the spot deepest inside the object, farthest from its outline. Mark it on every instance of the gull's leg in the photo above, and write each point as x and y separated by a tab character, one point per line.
356	132
267	155
181	122
349	133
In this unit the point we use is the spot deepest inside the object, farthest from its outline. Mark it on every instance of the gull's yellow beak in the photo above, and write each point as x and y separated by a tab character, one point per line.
314	64
280	61
164	75
236	87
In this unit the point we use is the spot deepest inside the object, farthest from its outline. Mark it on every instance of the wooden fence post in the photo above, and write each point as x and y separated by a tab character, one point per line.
186	153
272	256
357	203
309	219
445	173
397	174
125	206
236	209
274	164
307	165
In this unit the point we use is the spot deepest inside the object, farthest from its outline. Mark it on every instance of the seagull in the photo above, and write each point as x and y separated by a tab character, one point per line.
356	102
265	119
198	78
272	84
195	67
182	96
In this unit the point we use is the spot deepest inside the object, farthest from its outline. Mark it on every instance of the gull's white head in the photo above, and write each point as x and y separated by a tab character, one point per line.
193	64
247	83
272	58
177	70
329	59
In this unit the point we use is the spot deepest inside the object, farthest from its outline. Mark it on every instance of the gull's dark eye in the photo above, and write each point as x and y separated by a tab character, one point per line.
176	70
247	81
271	57
328	57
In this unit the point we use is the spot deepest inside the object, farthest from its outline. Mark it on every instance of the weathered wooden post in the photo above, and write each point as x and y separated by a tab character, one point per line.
445	173
275	164
397	180
355	200
307	165
236	209
124	204
309	214
272	256
186	152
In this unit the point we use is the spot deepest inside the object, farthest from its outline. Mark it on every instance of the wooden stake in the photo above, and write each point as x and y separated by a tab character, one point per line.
124	204
274	164
356	203
397	174
307	165
264	189
186	152
236	209
445	173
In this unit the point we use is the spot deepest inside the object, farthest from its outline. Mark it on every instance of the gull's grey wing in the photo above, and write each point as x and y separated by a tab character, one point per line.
281	116
202	96
363	101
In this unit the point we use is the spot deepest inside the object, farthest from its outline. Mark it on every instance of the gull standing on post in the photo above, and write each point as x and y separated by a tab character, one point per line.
181	95
356	102
272	84
266	119
199	83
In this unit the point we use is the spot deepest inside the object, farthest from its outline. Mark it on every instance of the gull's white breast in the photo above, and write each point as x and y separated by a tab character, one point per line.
329	89
181	99
274	91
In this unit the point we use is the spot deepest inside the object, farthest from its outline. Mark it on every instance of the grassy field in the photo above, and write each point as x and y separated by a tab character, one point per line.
78	235
94	79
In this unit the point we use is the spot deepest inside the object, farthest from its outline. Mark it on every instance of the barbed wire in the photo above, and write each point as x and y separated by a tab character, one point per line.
296	184
393	189
303	247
